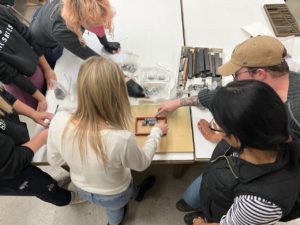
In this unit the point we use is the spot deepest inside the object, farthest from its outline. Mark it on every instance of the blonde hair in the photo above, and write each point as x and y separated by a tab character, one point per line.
4	106
102	98
90	13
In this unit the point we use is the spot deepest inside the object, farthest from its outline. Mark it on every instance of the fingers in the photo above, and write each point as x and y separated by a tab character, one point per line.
49	84
159	111
44	123
48	115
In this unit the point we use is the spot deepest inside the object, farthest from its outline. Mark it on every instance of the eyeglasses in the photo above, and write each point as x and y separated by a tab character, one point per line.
236	75
214	126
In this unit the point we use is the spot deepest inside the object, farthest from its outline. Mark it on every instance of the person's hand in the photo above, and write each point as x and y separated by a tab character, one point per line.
134	89
162	125
42	105
199	221
208	134
50	76
112	47
168	107
42	118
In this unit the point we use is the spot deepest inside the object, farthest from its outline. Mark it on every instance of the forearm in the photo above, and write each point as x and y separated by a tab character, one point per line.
190	101
23	109
37	141
44	64
38	96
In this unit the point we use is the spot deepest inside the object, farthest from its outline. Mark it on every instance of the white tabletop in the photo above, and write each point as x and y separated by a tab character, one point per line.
152	30
217	24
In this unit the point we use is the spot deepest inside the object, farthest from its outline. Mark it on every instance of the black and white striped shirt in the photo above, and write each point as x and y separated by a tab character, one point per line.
251	210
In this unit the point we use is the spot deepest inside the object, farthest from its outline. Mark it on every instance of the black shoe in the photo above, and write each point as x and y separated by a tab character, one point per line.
144	187
188	218
182	206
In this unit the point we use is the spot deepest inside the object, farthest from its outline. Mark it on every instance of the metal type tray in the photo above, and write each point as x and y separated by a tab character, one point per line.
281	19
196	65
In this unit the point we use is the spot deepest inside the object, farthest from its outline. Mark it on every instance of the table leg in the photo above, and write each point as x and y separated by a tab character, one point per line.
180	169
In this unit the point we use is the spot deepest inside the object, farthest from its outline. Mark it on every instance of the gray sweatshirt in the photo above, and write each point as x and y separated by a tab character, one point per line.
50	31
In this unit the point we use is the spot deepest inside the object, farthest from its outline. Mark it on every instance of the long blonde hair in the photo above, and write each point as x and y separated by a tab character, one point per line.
102	98
89	13
4	107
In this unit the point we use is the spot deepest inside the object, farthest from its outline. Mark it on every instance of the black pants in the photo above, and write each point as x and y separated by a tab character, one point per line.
35	182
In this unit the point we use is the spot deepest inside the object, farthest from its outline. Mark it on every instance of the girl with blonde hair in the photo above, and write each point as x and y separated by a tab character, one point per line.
95	143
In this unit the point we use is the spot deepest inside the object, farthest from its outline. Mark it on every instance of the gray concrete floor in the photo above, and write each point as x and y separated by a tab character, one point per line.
157	208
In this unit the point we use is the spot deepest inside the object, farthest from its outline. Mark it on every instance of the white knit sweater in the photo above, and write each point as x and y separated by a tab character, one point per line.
122	152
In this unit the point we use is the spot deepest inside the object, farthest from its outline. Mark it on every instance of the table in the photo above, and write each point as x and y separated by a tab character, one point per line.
217	24
152	30
140	36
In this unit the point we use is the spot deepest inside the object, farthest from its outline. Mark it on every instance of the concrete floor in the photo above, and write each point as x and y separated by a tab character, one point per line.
157	208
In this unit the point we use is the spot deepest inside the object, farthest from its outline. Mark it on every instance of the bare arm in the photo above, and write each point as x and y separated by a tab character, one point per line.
37	141
171	106
38	117
48	72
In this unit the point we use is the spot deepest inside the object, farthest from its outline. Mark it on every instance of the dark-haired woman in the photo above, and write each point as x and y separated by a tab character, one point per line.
257	179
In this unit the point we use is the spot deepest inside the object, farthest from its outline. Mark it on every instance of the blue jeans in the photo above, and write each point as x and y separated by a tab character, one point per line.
192	195
114	204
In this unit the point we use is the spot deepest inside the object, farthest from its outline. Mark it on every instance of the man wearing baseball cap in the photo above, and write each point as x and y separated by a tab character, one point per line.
260	58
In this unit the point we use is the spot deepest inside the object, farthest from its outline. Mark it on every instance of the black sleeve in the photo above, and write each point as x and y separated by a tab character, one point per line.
69	40
22	29
9	74
24	84
13	158
205	96
8	97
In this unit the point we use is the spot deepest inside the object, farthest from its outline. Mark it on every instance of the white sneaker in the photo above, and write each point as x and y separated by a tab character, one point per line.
75	198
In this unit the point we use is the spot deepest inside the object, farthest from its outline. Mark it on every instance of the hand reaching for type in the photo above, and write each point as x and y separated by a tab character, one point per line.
168	107
163	126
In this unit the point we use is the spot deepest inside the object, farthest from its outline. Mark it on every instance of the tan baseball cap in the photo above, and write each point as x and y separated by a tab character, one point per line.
259	51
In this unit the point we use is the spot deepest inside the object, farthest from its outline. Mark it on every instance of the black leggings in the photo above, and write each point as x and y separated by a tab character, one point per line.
34	182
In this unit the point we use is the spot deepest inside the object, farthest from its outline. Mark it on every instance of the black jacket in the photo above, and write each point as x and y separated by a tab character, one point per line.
18	52
13	159
228	176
